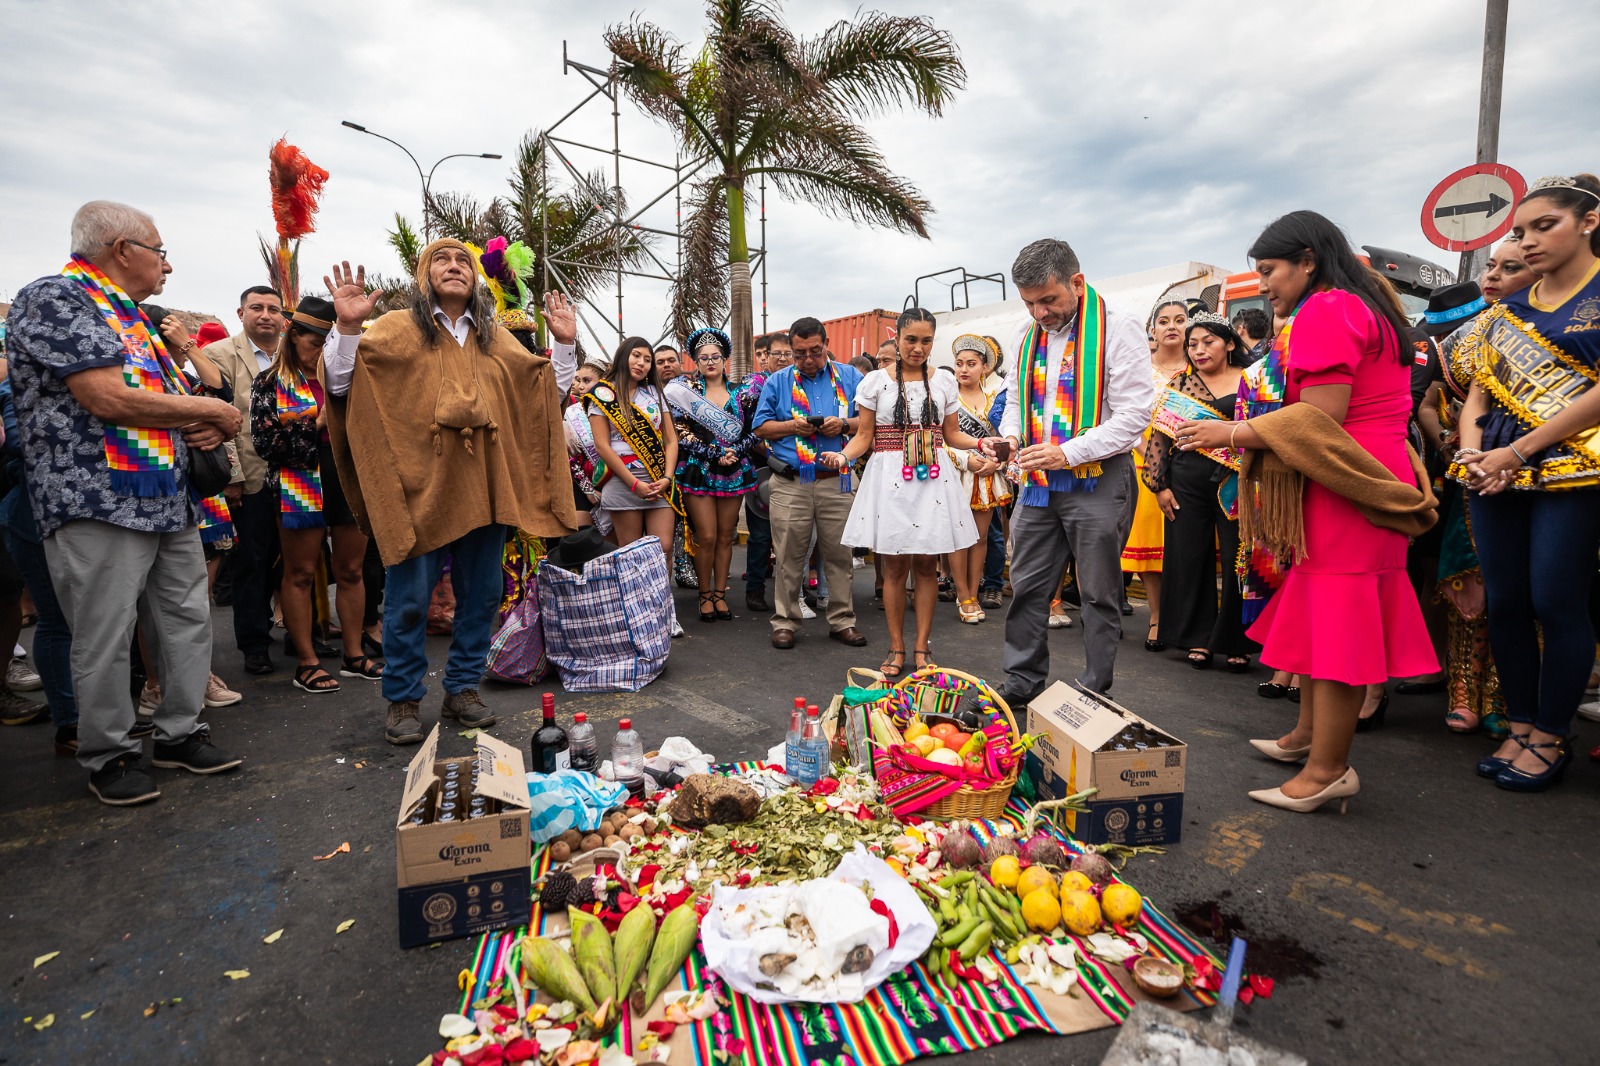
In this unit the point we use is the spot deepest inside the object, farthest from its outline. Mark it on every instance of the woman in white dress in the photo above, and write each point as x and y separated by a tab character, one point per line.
911	508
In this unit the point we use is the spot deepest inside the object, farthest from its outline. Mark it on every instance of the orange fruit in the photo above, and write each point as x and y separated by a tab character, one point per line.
1033	879
1080	913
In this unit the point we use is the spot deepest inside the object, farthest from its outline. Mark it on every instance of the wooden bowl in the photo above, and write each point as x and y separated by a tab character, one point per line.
1158	977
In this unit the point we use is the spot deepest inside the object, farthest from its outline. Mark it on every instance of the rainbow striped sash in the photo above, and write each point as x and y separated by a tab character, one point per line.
299	491
142	462
216	521
1261	390
1077	403
800	407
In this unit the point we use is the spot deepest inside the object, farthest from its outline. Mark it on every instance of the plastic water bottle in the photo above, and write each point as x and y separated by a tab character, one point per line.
814	748
791	739
627	758
584	747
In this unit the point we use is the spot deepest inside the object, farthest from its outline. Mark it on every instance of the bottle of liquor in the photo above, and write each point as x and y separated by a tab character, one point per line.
548	750
585	750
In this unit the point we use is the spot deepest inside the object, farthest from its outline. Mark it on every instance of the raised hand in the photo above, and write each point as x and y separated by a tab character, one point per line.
560	318
351	302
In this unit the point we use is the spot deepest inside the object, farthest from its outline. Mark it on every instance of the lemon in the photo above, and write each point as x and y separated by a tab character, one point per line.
1035	877
924	744
1040	910
1005	870
1121	905
1080	912
1073	881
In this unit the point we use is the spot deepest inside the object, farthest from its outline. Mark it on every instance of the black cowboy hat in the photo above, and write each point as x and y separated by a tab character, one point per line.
1451	305
575	549
315	314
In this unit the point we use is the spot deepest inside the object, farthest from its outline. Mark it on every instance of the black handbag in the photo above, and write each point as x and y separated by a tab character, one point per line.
209	471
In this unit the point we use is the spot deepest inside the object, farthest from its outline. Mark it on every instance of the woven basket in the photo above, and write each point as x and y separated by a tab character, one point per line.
966	801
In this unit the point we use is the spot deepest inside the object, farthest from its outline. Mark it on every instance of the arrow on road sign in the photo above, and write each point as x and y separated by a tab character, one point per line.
1489	208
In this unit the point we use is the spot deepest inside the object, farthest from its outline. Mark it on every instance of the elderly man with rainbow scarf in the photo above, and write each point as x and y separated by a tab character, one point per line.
1079	400
107	420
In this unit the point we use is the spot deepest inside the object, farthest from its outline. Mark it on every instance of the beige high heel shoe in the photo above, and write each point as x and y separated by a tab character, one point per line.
1341	790
1271	750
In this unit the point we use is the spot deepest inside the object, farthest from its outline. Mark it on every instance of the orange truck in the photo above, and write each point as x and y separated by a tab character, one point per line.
1413	278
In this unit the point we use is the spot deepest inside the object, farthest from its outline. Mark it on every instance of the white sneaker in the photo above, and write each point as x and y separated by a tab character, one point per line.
856	562
677	630
219	694
1590	710
21	678
19	652
806	611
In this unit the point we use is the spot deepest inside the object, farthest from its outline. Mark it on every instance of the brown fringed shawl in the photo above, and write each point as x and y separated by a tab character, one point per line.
1305	442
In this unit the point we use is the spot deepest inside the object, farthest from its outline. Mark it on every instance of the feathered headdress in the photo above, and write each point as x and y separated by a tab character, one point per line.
296	190
505	265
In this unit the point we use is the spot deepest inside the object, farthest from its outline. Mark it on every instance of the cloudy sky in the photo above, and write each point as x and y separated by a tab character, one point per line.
1145	133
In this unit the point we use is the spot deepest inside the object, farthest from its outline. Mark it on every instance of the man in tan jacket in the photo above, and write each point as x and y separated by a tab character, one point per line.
255	508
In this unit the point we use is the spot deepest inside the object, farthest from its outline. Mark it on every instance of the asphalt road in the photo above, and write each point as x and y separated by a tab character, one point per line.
1441	920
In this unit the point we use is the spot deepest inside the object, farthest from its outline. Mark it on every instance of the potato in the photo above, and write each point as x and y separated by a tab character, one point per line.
631	832
592	841
613	840
560	851
572	838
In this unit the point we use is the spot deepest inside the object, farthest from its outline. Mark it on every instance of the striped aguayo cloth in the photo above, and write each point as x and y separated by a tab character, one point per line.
908	1016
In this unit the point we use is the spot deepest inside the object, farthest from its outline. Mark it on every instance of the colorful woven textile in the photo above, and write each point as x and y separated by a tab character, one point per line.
1076	403
1261	390
216	521
908	1016
800	407
141	461
299	491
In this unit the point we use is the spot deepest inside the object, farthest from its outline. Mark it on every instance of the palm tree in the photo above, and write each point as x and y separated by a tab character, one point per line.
758	100
577	224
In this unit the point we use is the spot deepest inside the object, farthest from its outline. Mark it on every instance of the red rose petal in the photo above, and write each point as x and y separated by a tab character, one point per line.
880	907
1261	986
1245	995
521	1049
663	1030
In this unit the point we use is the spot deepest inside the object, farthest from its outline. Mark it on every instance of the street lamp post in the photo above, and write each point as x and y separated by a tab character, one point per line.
426	179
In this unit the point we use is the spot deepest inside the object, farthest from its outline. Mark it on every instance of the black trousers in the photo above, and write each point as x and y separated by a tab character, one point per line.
255	524
1190	614
372	578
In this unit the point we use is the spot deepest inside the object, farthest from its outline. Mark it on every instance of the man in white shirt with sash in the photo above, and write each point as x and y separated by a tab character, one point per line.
1079	398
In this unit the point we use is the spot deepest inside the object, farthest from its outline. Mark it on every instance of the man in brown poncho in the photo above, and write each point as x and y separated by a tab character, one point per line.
447	433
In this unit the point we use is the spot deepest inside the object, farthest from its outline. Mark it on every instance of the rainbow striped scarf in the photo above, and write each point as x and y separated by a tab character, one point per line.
1078	401
299	491
216	521
142	462
800	407
1261	390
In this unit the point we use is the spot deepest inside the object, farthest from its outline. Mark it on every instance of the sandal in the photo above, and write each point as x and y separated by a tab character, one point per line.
307	679
708	599
947	590
971	613
923	658
1237	664
362	666
724	612
371	647
1199	658
1150	641
1058	621
1462	720
890	667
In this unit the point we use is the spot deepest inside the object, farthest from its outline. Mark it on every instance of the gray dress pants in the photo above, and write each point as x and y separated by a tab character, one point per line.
1090	527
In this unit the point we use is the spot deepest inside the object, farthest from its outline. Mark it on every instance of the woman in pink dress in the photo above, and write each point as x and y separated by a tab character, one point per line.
1346	616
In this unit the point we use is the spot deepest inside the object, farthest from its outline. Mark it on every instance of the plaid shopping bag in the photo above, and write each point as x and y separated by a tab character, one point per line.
609	629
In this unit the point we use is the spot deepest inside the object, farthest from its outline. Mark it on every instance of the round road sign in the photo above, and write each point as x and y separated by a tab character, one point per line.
1472	207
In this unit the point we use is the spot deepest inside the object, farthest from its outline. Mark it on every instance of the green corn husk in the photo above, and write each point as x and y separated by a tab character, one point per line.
591	948
674	940
635	936
554	972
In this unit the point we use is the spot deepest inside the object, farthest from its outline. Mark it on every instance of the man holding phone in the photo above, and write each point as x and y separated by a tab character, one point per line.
806	409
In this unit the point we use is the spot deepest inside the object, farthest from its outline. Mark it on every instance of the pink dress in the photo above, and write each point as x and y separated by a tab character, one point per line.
1347	611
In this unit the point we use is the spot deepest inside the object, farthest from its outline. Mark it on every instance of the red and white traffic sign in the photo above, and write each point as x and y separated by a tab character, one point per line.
1472	207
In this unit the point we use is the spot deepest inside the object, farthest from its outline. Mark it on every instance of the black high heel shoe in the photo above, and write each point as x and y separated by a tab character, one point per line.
1490	765
1521	781
1199	659
1375	719
708	599
724	612
1269	690
1151	643
1237	664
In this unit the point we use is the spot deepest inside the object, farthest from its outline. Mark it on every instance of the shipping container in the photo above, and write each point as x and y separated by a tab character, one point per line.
860	334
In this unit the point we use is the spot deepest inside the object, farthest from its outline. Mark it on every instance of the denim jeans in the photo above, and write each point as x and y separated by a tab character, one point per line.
475	575
994	559
52	639
1538	552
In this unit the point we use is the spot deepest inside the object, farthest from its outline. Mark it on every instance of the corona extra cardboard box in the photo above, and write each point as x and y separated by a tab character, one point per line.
462	875
1087	741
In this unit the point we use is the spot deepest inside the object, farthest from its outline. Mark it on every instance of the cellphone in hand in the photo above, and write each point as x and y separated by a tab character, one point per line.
816	421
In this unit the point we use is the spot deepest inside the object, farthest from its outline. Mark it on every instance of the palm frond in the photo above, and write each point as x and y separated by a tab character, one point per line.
405	242
881	62
699	297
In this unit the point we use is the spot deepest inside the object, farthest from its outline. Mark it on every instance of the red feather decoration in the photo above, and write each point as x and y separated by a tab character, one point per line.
296	187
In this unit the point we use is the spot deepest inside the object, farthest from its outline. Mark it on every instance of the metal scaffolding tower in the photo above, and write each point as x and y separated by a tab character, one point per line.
558	261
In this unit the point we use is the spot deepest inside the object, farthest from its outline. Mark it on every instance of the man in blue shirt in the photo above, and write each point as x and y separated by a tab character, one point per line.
807	409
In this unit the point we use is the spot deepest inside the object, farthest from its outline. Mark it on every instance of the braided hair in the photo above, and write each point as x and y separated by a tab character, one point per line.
902	413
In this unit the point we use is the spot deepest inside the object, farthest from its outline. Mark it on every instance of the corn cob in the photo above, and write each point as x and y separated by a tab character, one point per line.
591	947
635	936
554	972
674	940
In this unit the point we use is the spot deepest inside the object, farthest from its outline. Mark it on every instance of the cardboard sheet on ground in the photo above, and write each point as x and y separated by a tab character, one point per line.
910	1015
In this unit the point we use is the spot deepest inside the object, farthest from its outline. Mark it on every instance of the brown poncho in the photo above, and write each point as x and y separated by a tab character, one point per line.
434	442
1305	442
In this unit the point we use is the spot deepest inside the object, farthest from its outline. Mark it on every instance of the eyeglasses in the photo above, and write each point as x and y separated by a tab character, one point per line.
712	358
162	252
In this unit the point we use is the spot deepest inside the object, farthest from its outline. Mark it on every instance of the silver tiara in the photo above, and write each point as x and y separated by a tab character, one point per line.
1208	318
1556	181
